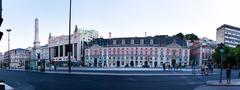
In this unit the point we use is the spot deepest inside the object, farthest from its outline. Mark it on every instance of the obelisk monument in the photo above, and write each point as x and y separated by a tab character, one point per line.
36	42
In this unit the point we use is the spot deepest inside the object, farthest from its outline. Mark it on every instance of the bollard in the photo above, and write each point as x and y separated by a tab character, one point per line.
2	86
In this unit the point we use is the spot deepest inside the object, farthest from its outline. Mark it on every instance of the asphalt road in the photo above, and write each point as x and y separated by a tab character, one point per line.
22	80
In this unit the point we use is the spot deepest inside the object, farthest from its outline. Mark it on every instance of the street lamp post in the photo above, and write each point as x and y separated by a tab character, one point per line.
193	66
221	48
8	30
221	68
69	43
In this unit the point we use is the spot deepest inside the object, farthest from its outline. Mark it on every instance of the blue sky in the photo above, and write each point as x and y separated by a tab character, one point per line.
124	18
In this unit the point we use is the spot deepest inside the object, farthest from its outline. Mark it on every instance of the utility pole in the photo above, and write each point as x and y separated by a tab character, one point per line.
9	30
69	43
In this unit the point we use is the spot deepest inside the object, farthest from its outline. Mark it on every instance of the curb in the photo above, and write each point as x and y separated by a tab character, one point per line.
7	87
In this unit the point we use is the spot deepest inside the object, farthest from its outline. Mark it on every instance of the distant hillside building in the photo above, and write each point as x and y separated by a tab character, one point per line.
16	58
1	59
137	52
229	35
201	51
44	53
58	46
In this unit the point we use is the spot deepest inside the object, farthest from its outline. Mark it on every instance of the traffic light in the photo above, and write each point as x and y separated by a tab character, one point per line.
220	47
1	20
1	34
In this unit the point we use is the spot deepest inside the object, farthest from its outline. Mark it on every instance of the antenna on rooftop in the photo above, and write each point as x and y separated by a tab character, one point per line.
110	35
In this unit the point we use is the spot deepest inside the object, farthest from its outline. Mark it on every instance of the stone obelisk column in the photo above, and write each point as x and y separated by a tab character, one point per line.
36	39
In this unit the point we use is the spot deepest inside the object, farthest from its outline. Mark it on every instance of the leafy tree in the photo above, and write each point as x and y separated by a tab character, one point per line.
237	55
231	56
179	35
191	37
216	56
161	36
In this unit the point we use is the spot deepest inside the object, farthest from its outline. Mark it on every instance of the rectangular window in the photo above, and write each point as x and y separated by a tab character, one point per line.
61	50
68	49
55	51
75	50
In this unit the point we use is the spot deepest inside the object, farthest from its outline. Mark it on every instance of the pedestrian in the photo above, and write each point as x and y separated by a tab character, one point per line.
206	70
164	67
55	67
168	67
202	70
228	73
239	74
177	66
52	66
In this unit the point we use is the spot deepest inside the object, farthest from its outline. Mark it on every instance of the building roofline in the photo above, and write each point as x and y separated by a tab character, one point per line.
228	26
137	37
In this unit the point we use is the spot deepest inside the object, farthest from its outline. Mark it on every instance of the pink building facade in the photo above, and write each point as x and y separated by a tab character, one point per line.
137	52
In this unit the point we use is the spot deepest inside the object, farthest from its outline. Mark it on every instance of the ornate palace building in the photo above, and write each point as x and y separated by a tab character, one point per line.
59	48
137	52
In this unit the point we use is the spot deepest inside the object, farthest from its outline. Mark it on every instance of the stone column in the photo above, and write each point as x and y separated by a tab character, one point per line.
153	61
58	51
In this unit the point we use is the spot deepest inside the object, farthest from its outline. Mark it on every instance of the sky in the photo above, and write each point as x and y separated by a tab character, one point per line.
123	18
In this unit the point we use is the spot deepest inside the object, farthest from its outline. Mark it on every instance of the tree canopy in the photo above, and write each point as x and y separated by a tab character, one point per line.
179	35
191	36
231	56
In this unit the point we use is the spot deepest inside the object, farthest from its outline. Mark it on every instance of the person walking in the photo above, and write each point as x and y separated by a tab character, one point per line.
228	73
164	67
202	70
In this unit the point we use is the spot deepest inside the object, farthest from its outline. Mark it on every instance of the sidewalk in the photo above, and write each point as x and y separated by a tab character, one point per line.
234	82
125	74
121	71
114	69
215	85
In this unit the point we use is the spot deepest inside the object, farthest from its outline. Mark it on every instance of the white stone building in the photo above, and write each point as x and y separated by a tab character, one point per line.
229	35
16	58
59	48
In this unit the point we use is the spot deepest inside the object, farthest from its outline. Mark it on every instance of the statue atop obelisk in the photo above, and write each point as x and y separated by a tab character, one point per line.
36	42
